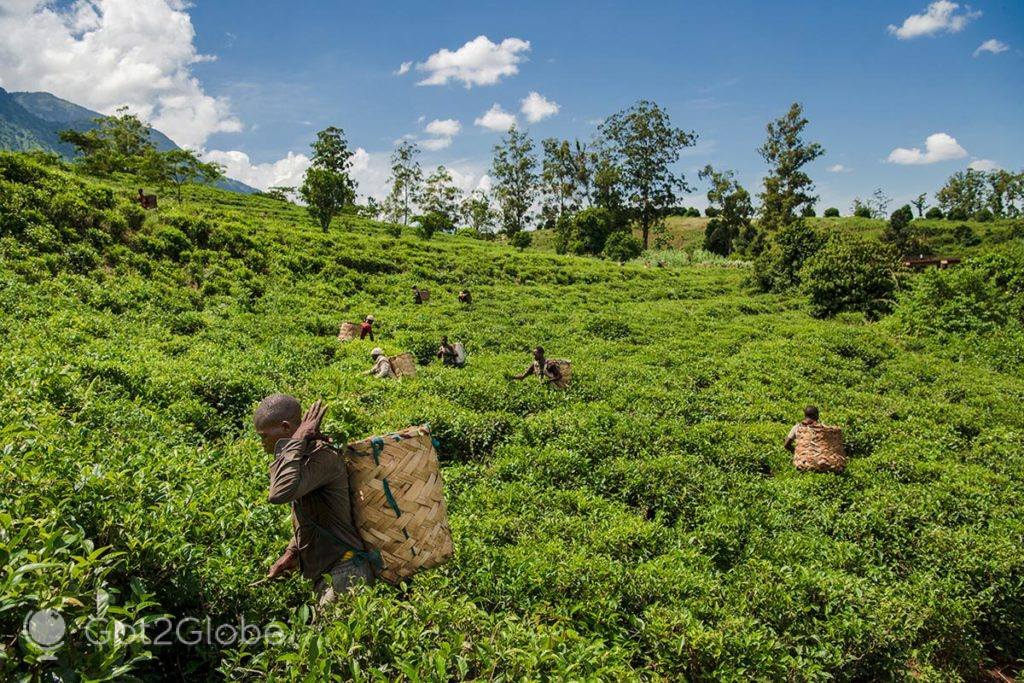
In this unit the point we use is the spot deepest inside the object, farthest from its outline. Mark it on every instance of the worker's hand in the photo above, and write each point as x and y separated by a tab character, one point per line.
284	565
310	426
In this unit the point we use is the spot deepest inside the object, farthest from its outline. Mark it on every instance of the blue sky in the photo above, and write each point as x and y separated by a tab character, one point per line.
723	69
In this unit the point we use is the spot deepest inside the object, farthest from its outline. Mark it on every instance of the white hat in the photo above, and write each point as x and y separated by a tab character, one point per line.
370	318
377	351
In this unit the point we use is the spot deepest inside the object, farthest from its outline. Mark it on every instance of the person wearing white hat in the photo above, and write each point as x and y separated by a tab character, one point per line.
381	364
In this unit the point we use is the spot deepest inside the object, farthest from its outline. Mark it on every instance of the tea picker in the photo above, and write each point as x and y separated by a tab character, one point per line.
452	355
382	367
555	371
816	447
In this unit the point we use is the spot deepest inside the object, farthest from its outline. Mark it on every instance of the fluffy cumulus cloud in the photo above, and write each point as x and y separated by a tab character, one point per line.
839	168
937	147
444	128
103	54
403	68
434	144
536	107
496	119
478	62
992	45
941	16
238	165
983	165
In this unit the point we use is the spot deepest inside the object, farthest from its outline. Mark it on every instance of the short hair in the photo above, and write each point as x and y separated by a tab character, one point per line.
811	412
278	408
539	349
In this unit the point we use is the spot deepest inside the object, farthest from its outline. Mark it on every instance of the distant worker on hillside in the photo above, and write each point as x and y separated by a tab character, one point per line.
446	352
381	365
141	199
811	417
310	476
366	328
548	372
417	297
465	297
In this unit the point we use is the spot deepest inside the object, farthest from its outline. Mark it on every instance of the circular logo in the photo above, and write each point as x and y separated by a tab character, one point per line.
45	627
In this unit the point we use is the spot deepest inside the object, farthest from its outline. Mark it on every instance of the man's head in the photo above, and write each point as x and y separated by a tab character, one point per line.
415	288
444	341
538	353
276	417
370	318
376	353
811	413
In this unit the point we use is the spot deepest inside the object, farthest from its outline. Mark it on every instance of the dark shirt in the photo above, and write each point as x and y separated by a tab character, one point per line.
313	477
366	329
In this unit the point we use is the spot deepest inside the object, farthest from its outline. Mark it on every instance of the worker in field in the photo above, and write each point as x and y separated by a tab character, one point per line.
366	328
811	416
381	365
311	477
465	297
141	199
446	352
548	372
417	298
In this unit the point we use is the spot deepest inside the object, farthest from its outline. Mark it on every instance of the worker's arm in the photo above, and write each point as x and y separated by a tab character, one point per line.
525	373
790	443
293	474
371	335
288	561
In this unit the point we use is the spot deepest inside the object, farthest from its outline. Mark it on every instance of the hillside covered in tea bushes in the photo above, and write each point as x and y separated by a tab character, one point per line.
645	524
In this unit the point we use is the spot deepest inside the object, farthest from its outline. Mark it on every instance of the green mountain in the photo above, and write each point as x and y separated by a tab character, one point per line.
33	121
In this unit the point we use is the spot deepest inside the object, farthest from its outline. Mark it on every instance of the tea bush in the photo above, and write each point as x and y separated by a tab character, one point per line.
644	524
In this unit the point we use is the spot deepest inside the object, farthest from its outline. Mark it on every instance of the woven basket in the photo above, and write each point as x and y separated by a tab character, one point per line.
566	368
424	294
348	331
409	527
819	448
404	365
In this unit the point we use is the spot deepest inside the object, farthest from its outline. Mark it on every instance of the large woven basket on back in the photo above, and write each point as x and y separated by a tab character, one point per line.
566	372
819	448
404	364
398	501
348	331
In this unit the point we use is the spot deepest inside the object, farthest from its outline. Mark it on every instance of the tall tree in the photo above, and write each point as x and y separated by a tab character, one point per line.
963	195
644	145
558	175
476	211
730	229
920	203
182	166
787	188
327	187
515	180
406	179
441	196
117	144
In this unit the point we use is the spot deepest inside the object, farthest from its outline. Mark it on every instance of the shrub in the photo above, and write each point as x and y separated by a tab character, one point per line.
622	247
778	267
851	274
808	212
711	212
586	231
983	216
468	232
898	231
862	212
432	222
831	212
693	212
718	237
934	213
521	240
957	214
965	235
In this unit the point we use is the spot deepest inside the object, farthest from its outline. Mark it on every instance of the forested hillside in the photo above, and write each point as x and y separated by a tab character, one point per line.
644	524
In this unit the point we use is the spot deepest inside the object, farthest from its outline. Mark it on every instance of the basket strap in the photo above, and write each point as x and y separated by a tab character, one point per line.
358	556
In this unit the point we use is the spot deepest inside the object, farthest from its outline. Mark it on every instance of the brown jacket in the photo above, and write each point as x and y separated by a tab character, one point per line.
313	478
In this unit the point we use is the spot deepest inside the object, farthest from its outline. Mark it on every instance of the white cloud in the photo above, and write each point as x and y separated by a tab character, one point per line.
838	168
403	68
478	62
446	128
536	107
984	165
237	165
371	170
940	17
106	53
496	119
434	144
992	45
938	147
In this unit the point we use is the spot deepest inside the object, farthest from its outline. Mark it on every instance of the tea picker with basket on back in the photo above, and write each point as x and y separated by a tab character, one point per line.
816	447
366	328
381	364
556	372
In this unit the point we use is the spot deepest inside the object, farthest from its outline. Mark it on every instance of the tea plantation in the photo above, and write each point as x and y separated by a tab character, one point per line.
645	524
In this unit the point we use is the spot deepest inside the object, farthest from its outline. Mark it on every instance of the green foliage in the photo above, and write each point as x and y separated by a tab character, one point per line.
898	232
406	181
586	231
787	188
851	274
730	228
520	240
777	269
934	213
118	144
433	222
622	246
862	210
643	524
808	211
831	212
983	216
513	170
328	187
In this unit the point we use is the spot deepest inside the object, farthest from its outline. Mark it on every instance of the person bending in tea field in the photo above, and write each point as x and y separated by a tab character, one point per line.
311	476
446	352
810	417
465	297
366	328
381	365
548	372
417	298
